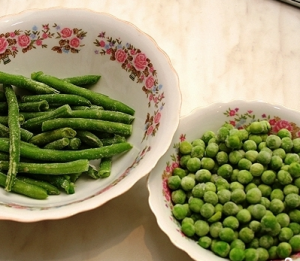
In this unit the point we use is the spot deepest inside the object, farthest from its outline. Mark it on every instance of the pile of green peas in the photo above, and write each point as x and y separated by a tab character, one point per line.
236	192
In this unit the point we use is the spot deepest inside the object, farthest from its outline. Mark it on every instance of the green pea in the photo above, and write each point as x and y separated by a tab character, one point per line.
193	164
294	169
227	234
188	229
255	226
292	200
295	243
233	141
183	160
287	144
225	171
266	190
273	252
295	227
222	133
277	193
207	136
266	241
236	254
285	234
238	196
221	183
283	219
211	197
222	157
203	175
179	172
234	157
198	190
256	127
273	142
179	211
243	216
230	209
224	195
237	243
231	222
256	138
195	204
244	177
249	145
187	183
265	202
296	145
185	147
269	222
251	155
284	133
258	211
256	169
221	248
284	250
284	177
251	254
204	242
291	157
246	235
215	228
250	186
268	177
211	150
201	228
174	182
280	152
198	151
295	215
178	196
235	185
263	254
207	163
264	157
198	142
244	164
207	210
276	162
276	206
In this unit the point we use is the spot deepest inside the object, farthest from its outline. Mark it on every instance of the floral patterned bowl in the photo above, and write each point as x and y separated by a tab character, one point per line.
133	69
238	113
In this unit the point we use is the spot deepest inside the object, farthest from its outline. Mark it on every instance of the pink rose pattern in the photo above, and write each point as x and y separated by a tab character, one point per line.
11	43
241	121
134	61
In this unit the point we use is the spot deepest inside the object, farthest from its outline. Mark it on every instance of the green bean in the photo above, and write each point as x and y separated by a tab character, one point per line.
14	136
92	172
58	99
89	138
113	140
88	124
103	115
30	151
25	134
24	188
74	144
36	123
95	98
44	138
29	115
83	80
25	83
105	167
58	144
51	190
34	106
80	165
61	182
4	119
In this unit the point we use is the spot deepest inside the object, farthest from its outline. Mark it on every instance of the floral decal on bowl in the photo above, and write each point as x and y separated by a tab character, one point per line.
239	121
11	43
70	40
243	120
141	70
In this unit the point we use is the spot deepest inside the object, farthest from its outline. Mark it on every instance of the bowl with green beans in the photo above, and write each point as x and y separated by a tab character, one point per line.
228	186
88	104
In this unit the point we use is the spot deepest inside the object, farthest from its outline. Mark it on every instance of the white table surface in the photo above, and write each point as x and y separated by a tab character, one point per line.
222	50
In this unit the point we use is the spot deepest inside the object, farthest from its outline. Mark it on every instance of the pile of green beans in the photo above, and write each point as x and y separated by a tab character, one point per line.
236	192
49	134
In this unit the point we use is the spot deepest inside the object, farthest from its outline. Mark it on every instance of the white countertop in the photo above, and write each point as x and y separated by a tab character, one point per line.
222	50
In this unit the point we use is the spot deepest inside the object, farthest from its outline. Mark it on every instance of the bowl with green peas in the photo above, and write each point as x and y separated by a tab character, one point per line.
228	186
85	101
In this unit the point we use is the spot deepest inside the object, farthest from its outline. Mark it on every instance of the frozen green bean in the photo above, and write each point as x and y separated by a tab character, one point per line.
34	106
58	144
14	136
83	80
95	98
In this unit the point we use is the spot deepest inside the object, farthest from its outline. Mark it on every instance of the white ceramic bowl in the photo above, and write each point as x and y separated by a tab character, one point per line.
192	126
133	69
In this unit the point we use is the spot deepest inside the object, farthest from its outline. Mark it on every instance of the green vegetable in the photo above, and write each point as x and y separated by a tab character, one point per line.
34	106
69	88
14	136
83	80
58	144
